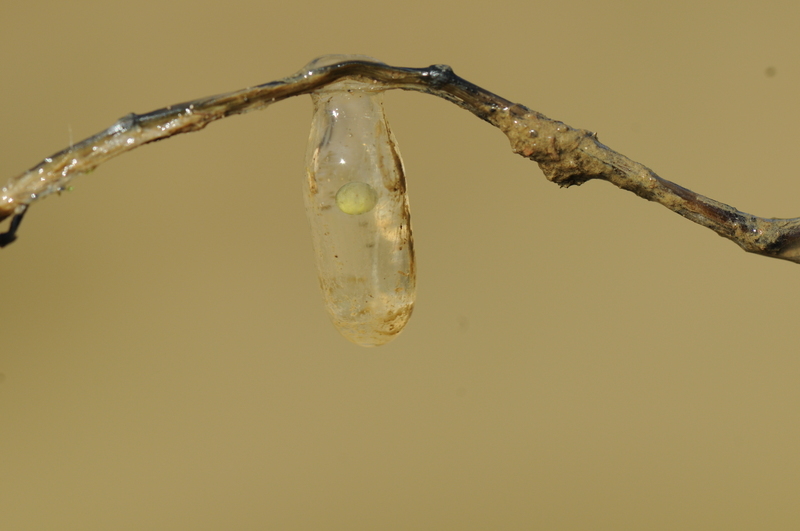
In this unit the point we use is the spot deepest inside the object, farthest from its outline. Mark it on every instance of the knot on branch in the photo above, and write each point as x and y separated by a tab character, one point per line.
439	75
572	169
560	150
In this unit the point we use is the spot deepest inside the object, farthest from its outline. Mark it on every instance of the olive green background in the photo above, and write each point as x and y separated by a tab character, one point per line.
578	358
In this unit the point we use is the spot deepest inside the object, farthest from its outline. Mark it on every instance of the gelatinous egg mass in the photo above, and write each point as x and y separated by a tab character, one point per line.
355	196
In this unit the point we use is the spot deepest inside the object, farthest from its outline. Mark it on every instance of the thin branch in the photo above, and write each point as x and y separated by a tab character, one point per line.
566	155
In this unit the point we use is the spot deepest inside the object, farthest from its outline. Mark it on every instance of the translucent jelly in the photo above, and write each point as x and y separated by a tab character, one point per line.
356	202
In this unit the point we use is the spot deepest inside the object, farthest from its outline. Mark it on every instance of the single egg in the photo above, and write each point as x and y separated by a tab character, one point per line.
356	198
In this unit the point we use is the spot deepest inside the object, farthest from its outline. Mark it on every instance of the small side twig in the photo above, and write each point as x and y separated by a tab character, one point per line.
566	155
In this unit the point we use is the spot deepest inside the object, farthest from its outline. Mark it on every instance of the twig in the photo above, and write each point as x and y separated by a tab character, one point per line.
567	156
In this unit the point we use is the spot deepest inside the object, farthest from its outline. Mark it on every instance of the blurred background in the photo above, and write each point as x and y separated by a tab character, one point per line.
578	358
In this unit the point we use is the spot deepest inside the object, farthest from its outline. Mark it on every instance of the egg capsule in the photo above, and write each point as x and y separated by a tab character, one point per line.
356	202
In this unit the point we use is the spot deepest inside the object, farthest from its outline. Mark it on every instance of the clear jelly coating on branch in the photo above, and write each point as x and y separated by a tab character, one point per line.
355	196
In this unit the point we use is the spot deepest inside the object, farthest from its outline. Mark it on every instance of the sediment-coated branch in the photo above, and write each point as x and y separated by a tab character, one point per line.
566	155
